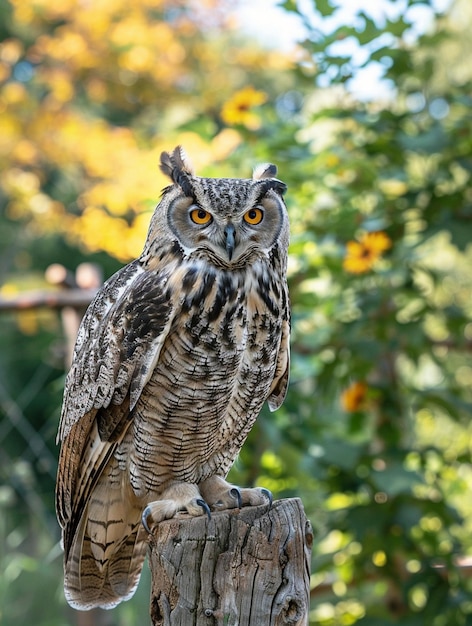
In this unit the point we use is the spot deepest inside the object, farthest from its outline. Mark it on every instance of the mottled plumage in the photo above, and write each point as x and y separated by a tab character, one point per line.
174	359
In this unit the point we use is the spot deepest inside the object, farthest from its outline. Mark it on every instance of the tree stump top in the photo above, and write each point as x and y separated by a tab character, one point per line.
248	567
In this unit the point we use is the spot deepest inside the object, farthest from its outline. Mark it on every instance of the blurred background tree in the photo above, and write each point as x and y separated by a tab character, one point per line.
375	433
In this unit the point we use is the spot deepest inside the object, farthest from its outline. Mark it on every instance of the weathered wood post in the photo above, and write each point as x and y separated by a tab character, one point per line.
248	567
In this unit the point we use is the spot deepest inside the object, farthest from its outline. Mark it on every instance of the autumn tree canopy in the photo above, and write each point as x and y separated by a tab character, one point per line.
93	92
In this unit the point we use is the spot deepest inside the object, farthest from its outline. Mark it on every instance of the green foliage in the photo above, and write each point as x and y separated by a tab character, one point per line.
378	344
380	369
375	433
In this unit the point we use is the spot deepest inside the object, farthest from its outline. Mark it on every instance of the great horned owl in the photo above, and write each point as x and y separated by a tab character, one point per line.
174	359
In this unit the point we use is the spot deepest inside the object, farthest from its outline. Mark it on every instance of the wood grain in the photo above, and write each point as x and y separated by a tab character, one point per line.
247	568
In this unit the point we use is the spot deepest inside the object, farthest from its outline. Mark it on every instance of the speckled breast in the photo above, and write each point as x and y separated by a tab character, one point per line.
212	378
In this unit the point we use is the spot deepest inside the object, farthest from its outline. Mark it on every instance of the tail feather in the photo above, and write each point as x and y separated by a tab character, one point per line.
88	583
124	570
104	563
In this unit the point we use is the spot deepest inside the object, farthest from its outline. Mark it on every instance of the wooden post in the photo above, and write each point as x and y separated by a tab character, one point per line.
88	278
248	567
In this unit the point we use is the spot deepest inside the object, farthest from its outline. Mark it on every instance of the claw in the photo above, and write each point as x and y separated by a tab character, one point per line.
268	495
204	506
145	514
236	493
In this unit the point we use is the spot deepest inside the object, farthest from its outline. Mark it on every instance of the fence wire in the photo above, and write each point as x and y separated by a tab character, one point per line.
32	373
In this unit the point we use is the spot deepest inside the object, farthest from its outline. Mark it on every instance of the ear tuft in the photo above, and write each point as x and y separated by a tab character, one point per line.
265	170
176	165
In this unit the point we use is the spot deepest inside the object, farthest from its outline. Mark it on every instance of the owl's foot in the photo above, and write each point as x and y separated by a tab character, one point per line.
256	496
221	495
177	497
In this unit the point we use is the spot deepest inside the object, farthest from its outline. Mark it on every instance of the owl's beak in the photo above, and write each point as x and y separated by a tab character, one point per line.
229	234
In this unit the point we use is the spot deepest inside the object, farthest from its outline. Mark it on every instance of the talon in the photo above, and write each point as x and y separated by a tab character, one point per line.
236	493
204	506
268	495
145	514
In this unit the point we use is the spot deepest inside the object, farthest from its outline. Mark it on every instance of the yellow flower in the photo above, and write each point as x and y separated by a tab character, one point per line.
353	397
239	108
361	255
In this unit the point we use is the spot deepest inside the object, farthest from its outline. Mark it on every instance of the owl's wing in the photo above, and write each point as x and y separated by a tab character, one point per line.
278	390
118	345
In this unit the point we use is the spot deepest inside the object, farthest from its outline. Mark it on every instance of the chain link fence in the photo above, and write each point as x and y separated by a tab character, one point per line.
37	335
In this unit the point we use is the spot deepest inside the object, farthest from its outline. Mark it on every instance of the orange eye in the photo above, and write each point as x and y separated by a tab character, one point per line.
253	216
200	216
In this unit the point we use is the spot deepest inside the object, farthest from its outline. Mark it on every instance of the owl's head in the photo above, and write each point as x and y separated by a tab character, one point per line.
229	221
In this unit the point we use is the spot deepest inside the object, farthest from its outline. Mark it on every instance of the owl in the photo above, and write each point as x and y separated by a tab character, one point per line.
173	362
